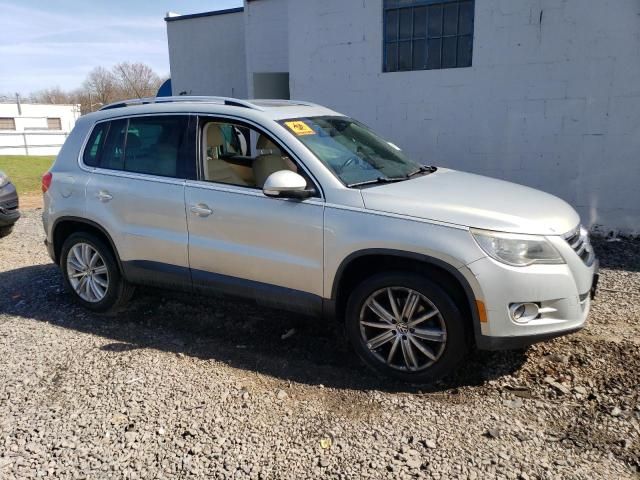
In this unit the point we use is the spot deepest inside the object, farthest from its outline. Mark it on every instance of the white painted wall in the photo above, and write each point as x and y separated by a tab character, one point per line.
267	27
31	135
552	100
207	55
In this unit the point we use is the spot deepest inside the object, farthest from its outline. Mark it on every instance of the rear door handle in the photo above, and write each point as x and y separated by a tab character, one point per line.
201	210
104	196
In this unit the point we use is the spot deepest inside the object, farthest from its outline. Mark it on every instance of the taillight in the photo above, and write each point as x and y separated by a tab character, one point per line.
46	181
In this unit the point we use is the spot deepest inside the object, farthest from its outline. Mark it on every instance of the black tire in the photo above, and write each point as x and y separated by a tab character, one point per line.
5	231
118	292
455	346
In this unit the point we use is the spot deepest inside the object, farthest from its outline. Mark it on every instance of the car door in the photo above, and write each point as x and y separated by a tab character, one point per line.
136	193
243	242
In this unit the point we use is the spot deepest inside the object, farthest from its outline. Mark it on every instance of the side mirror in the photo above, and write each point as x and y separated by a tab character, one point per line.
286	184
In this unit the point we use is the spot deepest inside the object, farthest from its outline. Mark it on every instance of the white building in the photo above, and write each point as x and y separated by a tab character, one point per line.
544	92
35	129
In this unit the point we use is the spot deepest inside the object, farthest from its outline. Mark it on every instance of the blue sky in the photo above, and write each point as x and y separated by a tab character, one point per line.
52	43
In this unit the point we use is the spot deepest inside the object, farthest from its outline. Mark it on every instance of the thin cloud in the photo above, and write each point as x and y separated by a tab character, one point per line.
83	49
28	23
41	49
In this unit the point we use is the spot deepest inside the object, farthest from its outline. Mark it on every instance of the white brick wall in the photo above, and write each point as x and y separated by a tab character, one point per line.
207	55
552	99
266	24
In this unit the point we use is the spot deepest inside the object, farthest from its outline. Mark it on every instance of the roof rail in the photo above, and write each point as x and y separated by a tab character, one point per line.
277	102
183	98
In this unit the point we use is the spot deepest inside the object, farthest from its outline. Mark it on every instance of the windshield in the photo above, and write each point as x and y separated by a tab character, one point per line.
353	152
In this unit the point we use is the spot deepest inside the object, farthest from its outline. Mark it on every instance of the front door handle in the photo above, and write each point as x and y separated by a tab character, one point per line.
104	196
201	210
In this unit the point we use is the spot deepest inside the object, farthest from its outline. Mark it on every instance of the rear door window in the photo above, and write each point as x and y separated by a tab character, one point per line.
162	145
156	145
112	153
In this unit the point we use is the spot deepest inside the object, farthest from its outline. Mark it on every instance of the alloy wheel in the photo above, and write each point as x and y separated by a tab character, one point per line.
403	329
87	272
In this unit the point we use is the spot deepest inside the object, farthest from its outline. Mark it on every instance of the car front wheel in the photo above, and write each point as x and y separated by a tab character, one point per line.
404	326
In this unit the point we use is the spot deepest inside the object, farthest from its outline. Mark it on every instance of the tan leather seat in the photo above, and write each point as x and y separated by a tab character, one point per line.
270	159
216	169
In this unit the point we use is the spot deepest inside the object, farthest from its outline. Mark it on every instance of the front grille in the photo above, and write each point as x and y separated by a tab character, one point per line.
578	239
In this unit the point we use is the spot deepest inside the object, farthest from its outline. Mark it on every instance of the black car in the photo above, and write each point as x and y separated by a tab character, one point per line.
9	212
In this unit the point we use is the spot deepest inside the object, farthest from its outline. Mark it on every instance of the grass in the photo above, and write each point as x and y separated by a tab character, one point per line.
25	171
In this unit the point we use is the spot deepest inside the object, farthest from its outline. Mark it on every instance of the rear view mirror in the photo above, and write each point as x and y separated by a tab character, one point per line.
286	184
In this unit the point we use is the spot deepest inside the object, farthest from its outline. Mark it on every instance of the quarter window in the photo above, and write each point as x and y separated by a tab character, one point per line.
427	34
94	144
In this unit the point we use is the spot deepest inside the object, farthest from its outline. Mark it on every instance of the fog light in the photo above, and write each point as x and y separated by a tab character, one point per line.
523	312
518	312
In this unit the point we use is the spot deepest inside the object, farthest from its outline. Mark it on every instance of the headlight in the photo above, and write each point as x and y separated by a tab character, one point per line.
517	250
4	180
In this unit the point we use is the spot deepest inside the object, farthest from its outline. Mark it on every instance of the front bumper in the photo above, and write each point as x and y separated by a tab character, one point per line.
514	343
562	292
9	213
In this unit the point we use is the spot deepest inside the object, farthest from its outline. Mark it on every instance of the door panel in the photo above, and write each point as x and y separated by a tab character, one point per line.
145	217
252	237
136	192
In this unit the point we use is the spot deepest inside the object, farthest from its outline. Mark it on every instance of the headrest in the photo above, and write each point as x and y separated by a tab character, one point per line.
214	135
133	141
267	146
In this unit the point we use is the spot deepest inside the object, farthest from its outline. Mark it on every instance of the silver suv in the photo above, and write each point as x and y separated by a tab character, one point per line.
297	206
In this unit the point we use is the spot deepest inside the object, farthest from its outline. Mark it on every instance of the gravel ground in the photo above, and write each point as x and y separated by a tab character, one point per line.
184	387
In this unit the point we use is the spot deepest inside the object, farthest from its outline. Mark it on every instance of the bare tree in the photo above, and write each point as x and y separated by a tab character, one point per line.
87	102
101	86
136	80
53	95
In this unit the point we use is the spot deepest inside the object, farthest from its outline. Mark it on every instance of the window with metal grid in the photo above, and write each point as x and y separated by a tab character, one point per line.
54	124
427	34
7	123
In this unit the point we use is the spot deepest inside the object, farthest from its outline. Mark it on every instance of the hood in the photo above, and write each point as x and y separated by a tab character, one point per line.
474	201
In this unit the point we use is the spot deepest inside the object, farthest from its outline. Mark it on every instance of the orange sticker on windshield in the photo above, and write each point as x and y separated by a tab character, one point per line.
300	128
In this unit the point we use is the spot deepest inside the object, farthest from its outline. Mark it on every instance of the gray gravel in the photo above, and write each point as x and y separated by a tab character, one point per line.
187	387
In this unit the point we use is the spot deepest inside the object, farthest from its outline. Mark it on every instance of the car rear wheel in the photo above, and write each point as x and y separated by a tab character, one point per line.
91	274
406	327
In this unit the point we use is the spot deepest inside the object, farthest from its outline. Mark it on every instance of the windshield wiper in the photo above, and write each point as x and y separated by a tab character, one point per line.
377	180
422	169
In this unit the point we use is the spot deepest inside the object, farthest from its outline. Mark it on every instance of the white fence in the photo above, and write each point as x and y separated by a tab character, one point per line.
31	142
